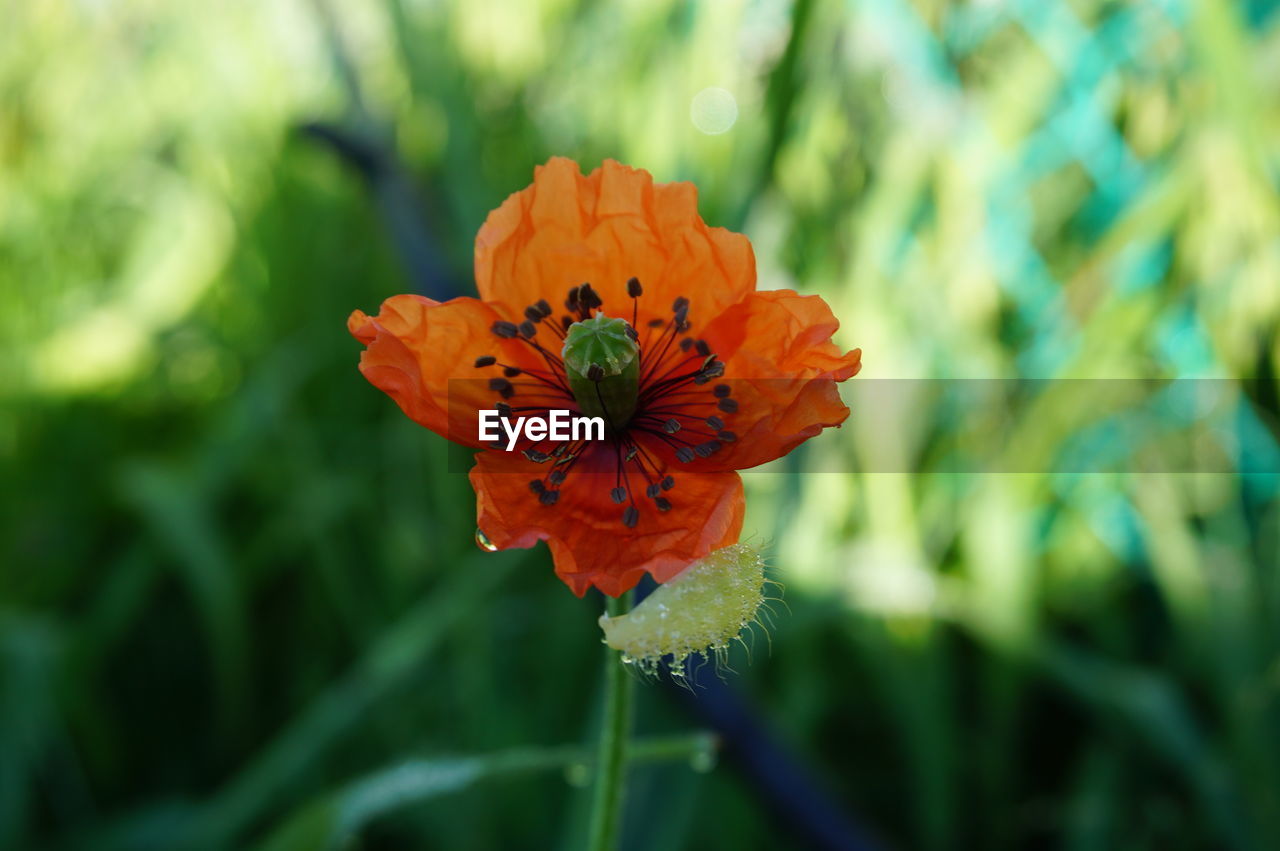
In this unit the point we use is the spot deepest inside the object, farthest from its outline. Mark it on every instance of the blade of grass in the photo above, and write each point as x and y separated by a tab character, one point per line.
334	819
396	653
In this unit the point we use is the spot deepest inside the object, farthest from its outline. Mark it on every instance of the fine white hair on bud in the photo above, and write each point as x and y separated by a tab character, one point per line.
697	614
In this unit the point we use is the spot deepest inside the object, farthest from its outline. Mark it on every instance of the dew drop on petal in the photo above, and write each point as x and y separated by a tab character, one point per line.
483	542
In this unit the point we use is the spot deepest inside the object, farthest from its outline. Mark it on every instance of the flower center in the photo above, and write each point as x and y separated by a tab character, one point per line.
649	386
602	362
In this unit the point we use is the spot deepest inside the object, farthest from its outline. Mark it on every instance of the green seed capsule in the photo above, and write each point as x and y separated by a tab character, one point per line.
602	363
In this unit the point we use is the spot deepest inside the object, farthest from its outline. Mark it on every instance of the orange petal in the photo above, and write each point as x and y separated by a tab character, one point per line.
783	370
422	353
584	529
604	228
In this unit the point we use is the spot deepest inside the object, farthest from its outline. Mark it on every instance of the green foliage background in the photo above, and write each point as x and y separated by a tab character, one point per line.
234	578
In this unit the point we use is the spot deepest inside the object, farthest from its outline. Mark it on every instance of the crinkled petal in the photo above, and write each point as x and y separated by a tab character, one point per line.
584	528
604	228
783	370
422	353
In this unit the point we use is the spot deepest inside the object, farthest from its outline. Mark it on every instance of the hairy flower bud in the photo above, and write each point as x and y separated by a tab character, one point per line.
696	614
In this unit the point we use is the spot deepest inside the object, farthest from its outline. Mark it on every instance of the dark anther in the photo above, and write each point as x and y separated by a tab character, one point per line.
557	477
715	422
721	390
565	322
618	495
633	287
504	410
535	456
595	372
571	302
706	450
543	307
504	388
684	455
686	344
510	371
653	490
668	483
713	369
680	304
548	497
682	318
729	406
533	314
703	348
633	334
537	487
588	297
527	330
657	323
506	330
727	436
630	517
663	503
671	426
486	360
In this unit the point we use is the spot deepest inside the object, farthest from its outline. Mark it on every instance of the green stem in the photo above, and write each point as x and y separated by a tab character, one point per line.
612	750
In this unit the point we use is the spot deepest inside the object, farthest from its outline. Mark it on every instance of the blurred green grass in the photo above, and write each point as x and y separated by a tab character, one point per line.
235	578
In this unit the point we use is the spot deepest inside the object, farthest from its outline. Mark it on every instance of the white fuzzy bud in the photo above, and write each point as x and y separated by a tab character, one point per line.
699	613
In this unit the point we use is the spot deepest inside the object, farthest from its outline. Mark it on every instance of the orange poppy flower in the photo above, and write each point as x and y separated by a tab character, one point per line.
723	376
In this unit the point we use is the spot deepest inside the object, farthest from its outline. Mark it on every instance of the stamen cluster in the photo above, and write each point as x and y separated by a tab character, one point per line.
668	410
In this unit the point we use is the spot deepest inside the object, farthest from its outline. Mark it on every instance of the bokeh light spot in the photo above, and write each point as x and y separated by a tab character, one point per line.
713	111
